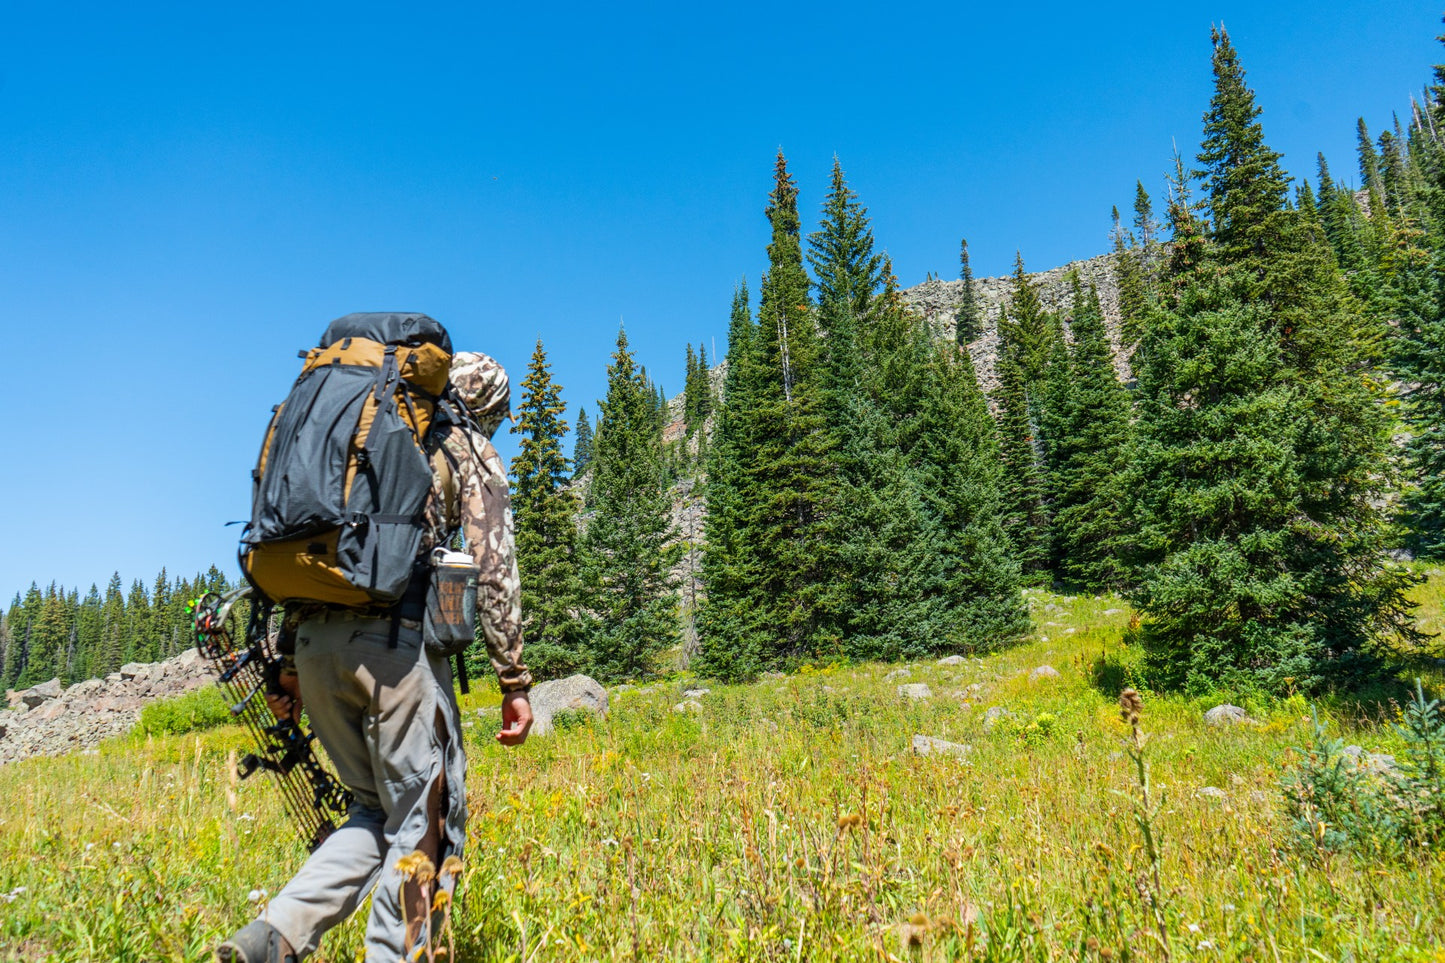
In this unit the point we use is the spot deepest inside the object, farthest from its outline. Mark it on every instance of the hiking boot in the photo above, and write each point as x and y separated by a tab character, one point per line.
256	942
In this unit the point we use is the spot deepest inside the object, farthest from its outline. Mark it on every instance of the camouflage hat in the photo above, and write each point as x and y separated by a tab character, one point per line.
484	387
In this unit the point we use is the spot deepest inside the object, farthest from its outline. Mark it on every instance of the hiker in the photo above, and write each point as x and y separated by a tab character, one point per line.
383	706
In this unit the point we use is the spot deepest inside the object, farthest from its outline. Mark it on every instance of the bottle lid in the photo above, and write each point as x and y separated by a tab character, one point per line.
443	556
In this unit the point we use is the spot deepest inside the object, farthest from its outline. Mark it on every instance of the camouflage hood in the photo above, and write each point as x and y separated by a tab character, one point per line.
484	388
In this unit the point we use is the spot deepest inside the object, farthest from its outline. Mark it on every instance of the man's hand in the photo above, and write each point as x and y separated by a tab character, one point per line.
516	719
287	703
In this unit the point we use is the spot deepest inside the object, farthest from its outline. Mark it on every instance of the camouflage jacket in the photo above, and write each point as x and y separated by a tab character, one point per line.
470	494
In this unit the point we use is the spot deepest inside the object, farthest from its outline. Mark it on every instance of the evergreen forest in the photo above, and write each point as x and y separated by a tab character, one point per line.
1243	442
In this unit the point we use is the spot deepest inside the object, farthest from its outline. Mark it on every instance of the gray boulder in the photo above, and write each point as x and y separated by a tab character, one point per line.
952	660
1043	672
688	705
997	714
695	693
916	690
897	674
929	746
43	692
576	692
1212	792
1226	715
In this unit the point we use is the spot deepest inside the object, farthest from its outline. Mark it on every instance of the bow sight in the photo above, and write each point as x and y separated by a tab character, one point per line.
314	798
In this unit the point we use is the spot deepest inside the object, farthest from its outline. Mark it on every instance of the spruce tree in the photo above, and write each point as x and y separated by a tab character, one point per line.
1260	455
1087	457
732	632
790	466
1133	286
627	559
113	633
689	391
1418	308
956	456
1025	518
1028	333
545	509
1241	175
968	325
582	445
1146	233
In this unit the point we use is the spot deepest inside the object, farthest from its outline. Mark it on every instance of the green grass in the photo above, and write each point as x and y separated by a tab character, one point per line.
787	820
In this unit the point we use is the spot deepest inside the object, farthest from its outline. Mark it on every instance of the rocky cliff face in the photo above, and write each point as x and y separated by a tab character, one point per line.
938	302
47	720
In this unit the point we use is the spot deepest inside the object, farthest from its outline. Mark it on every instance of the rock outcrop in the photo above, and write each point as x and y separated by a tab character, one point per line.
47	720
938	302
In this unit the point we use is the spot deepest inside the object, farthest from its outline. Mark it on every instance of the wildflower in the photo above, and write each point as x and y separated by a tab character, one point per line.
451	866
1131	705
417	866
256	895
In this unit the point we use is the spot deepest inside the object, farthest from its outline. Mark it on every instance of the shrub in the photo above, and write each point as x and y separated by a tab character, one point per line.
203	708
1338	803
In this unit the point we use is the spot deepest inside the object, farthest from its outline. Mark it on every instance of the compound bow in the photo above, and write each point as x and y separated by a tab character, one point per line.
314	798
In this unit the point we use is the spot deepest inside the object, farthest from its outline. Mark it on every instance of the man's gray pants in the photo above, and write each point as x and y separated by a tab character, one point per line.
388	718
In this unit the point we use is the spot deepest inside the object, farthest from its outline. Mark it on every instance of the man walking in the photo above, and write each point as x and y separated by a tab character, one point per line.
385	710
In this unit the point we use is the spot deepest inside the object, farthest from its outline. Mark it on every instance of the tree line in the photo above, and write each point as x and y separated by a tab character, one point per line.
57	632
1243	488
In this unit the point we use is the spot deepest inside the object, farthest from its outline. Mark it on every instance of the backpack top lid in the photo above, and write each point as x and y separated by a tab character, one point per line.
388	327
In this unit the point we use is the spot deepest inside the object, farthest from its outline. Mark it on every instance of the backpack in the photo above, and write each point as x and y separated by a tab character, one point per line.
342	479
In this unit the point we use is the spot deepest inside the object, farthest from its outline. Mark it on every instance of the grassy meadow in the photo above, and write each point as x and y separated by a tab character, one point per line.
784	820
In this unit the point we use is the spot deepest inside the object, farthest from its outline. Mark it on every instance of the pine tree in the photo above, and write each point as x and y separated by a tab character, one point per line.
546	534
45	644
582	446
1133	288
1418	307
1025	518
22	613
1087	456
878	546
1241	174
968	325
1028	333
88	635
704	387
138	624
626	557
1261	453
958	464
735	642
1146	232
113	634
789	465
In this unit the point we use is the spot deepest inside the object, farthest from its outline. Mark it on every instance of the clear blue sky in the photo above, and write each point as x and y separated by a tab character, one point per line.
192	191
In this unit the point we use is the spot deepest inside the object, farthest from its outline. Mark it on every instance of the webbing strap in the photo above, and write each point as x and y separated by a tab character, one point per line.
362	518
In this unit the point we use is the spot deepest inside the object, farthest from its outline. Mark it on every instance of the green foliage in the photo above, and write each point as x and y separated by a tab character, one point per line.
546	531
1024	515
1087	455
582	445
1242	177
680	804
968	320
55	633
202	708
1339	800
1262	452
627	584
